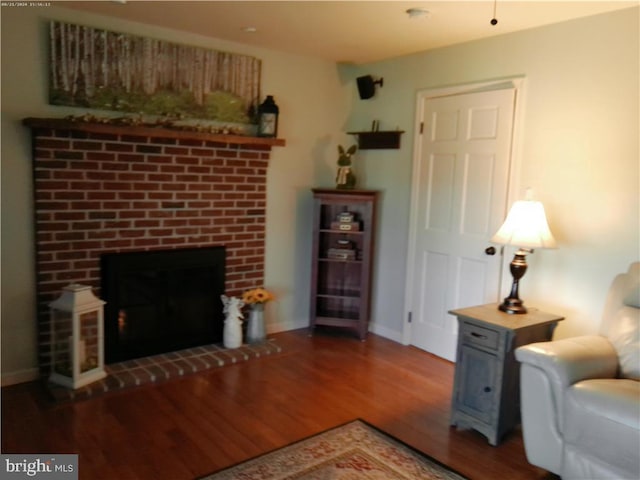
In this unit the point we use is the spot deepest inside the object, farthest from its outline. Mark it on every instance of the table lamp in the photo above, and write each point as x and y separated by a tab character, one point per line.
526	228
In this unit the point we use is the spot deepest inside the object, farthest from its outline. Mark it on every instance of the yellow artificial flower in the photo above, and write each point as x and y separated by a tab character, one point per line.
256	295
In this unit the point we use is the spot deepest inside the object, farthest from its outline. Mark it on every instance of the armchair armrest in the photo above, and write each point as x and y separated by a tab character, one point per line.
571	360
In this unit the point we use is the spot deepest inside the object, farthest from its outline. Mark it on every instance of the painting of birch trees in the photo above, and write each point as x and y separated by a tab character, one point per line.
105	70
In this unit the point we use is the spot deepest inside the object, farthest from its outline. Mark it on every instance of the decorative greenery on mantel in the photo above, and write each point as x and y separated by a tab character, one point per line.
156	130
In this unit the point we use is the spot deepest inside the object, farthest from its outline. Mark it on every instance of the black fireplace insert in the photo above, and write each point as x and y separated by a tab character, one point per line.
161	301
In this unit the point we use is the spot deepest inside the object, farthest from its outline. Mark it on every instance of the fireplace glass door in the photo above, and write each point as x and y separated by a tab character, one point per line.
162	301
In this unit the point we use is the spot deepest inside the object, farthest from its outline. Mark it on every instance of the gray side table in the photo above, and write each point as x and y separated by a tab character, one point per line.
486	391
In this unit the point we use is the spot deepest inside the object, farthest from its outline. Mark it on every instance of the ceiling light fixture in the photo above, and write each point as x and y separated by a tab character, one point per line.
249	29
418	13
494	20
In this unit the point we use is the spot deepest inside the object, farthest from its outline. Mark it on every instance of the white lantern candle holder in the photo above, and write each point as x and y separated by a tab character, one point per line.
77	333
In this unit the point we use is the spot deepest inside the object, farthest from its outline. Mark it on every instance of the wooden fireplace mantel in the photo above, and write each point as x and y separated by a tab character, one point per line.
143	130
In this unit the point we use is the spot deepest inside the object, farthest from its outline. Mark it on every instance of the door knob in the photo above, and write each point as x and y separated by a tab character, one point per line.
490	250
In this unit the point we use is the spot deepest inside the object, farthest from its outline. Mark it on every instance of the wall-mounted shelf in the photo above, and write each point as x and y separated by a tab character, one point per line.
378	140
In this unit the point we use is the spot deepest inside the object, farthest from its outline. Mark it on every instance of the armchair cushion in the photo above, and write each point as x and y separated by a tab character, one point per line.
613	400
621	320
602	420
632	298
624	334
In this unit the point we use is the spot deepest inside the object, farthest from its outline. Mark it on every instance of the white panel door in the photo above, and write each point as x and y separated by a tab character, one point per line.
460	200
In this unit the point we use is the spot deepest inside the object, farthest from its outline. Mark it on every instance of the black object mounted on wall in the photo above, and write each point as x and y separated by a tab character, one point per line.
367	86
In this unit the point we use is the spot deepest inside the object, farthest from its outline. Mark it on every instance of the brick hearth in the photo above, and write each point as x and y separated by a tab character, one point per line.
107	189
167	366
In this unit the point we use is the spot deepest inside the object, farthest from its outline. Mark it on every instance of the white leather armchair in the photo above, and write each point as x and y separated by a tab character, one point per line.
580	397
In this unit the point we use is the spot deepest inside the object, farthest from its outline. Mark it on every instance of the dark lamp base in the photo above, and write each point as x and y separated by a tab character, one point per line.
512	306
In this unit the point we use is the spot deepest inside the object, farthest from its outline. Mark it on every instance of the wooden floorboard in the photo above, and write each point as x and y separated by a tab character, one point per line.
188	427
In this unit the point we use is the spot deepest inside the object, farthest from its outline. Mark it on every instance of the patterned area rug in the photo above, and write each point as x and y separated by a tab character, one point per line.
352	451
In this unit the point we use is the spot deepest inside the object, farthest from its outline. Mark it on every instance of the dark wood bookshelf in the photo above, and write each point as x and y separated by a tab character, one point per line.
341	275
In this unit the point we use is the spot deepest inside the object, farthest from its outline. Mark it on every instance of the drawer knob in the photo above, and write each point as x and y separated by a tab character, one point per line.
478	335
487	389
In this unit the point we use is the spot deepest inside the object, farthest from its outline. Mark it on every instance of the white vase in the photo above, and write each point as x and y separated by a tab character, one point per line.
255	327
232	333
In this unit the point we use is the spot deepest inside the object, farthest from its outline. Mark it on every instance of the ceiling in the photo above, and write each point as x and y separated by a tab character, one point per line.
349	31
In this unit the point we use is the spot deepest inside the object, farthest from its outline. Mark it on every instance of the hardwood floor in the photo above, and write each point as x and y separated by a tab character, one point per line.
188	427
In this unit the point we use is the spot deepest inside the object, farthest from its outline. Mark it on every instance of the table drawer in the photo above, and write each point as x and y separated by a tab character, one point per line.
476	335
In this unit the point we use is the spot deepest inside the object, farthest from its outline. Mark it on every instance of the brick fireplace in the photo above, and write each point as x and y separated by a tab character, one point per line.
102	188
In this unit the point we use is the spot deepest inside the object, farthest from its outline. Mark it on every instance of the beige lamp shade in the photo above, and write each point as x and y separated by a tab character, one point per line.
525	226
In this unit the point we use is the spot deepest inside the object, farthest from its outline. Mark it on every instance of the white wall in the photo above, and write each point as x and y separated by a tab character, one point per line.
313	103
578	151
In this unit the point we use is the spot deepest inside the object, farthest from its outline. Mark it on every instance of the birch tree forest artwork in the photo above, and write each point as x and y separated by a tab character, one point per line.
99	69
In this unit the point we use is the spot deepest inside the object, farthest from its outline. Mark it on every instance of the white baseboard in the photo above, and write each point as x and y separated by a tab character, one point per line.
286	326
386	332
21	376
373	328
